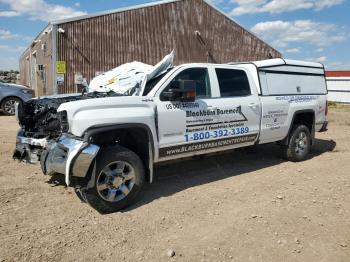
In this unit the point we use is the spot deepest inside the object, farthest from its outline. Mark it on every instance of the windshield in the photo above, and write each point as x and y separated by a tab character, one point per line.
153	82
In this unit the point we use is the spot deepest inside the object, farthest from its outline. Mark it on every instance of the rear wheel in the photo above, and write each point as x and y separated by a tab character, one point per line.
8	105
119	178
299	144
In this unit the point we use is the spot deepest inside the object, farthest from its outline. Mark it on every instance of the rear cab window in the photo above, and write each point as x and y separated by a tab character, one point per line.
233	82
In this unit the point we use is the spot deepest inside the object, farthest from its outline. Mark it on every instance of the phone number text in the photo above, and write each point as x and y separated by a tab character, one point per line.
216	134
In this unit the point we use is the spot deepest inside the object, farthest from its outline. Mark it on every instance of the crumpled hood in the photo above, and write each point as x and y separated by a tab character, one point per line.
130	78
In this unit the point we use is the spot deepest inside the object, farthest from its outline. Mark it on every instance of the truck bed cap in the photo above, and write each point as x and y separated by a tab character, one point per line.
280	61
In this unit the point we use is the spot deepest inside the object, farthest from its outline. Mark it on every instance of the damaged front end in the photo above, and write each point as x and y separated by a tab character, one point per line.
43	137
40	122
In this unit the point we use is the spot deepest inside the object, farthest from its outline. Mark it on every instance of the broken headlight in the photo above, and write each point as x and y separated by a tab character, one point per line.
62	116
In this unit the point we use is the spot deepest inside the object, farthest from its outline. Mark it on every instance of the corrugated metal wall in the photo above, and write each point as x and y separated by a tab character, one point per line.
339	89
101	43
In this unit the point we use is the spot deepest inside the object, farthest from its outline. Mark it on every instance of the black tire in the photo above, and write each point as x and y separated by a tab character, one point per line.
8	105
106	160
299	144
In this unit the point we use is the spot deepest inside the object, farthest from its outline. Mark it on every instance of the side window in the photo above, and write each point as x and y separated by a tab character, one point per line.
233	82
200	76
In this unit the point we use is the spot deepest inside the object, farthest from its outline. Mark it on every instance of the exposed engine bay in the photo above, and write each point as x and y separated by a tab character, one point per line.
39	117
41	124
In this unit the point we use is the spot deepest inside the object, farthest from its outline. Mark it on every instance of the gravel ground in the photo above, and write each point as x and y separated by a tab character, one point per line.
245	205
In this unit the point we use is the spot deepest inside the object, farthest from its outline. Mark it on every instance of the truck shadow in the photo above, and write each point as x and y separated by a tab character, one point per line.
176	177
172	178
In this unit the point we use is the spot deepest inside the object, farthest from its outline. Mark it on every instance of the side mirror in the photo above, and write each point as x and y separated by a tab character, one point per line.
182	91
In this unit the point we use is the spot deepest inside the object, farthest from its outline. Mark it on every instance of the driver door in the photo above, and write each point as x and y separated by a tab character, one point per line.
177	120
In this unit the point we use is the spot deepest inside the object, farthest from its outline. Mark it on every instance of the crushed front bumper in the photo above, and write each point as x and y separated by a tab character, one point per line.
67	155
28	149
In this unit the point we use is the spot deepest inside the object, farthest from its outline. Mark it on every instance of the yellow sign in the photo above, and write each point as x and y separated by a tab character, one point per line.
60	67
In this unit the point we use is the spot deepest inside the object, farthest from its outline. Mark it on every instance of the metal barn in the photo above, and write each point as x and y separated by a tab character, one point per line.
69	50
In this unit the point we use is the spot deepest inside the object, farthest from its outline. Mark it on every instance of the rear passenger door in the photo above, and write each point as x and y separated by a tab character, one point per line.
238	108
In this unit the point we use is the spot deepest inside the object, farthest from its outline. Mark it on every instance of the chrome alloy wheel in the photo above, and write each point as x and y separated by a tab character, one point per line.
301	143
115	181
9	106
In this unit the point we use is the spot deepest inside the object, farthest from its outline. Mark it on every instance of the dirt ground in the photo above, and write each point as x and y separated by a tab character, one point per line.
246	205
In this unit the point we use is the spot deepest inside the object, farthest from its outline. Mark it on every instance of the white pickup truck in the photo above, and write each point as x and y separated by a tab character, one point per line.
106	146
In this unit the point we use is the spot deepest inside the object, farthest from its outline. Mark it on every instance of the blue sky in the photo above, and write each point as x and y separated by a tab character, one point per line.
316	30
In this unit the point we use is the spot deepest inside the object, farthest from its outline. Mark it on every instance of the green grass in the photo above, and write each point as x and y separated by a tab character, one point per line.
332	104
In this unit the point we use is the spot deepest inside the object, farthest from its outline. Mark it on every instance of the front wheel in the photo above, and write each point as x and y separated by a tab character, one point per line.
299	144
119	177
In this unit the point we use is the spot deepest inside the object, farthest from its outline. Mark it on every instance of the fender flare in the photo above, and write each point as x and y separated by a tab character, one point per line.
285	141
94	130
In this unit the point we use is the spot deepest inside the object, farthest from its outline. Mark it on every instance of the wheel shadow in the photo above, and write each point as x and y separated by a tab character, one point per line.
176	177
57	180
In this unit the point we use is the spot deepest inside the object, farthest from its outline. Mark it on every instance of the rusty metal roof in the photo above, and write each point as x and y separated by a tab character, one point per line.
113	11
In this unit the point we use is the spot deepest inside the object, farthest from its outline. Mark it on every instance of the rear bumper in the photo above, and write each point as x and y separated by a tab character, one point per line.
68	156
